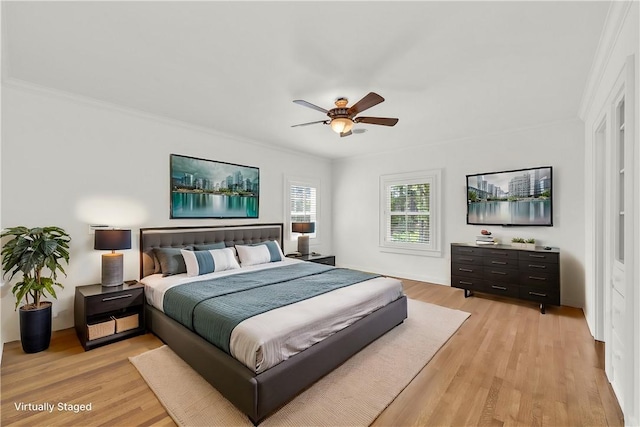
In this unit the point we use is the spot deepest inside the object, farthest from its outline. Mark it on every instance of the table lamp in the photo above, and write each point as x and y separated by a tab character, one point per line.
303	241
112	264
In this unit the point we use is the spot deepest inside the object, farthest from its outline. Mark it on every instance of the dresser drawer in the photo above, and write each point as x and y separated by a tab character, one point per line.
503	254
113	301
506	289
533	266
500	274
539	279
501	262
544	296
467	270
470	259
467	283
466	250
547	257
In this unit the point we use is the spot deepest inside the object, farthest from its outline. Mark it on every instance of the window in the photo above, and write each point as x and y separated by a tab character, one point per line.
410	220
302	203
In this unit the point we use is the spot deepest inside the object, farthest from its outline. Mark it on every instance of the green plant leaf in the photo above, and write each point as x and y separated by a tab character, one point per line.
31	251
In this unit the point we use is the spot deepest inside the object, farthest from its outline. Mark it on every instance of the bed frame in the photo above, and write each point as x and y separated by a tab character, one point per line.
256	395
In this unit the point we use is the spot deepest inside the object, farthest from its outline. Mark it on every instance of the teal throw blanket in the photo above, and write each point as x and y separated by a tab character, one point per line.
213	308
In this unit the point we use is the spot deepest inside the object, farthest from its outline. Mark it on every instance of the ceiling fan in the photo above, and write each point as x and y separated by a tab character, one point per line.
341	118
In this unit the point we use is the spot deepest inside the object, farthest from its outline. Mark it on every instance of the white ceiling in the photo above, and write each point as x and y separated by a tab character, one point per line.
448	70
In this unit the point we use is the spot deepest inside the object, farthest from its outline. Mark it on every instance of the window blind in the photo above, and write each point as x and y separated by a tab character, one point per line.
408	214
303	204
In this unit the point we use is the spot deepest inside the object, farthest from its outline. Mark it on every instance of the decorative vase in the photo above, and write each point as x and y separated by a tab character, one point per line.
35	328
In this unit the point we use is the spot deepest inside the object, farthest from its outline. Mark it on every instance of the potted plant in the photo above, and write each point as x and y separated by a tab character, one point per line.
518	242
36	253
530	244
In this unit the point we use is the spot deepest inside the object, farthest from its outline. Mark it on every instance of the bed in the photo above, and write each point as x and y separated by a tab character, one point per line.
253	376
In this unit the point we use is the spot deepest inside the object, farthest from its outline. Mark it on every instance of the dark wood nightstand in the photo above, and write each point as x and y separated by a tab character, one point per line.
320	259
106	314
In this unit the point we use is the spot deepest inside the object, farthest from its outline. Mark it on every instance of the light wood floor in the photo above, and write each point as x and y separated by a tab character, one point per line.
507	365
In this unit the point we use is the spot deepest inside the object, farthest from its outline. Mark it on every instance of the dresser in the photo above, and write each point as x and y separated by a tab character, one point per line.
532	275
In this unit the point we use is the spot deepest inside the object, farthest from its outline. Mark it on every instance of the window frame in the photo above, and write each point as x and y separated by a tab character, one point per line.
434	178
290	181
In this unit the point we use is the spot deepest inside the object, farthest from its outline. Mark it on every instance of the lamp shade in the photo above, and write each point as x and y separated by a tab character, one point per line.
303	227
341	124
112	239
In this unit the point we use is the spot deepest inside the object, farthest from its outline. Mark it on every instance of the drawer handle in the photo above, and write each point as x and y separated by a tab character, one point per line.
462	282
465	270
117	297
466	259
502	288
499	253
537	278
537	266
499	272
537	256
537	294
499	262
466	250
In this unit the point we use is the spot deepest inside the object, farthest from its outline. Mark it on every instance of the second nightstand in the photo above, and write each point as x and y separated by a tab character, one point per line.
106	314
320	259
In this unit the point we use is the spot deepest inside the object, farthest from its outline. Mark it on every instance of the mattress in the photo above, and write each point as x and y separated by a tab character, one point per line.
267	339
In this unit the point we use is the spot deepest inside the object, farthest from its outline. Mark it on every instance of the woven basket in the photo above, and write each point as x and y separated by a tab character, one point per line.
102	329
126	323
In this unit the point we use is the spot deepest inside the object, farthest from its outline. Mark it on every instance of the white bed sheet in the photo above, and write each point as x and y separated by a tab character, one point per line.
267	339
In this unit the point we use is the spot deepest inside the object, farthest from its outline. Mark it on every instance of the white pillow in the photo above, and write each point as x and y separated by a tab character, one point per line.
203	262
261	253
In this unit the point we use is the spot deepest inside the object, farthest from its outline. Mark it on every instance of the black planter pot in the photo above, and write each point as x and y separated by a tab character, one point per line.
35	328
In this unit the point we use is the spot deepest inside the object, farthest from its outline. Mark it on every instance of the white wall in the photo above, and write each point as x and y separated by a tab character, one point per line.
356	195
59	152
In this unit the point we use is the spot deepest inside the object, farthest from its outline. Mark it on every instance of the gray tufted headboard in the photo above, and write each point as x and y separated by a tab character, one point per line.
179	237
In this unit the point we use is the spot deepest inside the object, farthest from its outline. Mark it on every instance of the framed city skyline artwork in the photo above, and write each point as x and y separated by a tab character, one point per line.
202	188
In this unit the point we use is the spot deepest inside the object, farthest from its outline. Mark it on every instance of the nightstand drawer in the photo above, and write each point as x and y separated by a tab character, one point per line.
328	260
113	301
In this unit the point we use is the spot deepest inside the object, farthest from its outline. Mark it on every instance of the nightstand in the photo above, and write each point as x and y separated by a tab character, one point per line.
107	314
320	259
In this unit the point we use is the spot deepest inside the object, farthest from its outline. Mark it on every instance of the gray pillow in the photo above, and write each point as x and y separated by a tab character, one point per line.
171	260
209	246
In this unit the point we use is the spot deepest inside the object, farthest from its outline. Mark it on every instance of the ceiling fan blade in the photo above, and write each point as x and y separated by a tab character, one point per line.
311	123
385	121
368	101
345	134
310	105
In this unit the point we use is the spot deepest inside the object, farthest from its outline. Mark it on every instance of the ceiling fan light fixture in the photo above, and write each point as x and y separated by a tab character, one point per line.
341	124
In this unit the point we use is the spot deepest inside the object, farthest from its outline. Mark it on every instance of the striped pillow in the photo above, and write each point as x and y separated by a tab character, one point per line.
259	253
204	262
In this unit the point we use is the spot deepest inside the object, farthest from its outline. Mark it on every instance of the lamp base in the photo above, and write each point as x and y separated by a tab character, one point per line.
303	244
112	269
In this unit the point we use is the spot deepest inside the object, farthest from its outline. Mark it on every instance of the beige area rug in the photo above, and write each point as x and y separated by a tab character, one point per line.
352	395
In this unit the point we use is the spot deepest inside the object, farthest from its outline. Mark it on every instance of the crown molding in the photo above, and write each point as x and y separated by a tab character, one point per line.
618	11
24	85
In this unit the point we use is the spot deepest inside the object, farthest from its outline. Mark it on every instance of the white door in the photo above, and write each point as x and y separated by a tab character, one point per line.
619	328
616	345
